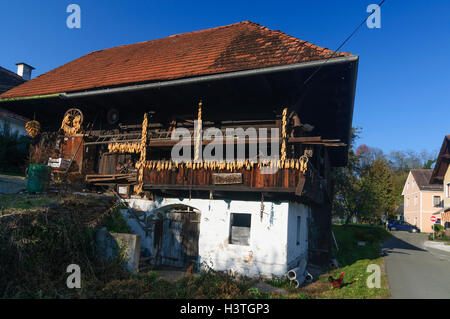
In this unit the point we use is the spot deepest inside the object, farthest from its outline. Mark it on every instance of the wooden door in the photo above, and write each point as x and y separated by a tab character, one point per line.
179	246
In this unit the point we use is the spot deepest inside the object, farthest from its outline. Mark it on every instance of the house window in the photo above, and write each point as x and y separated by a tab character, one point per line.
240	229
412	184
407	185
448	190
407	202
436	201
299	224
415	221
415	201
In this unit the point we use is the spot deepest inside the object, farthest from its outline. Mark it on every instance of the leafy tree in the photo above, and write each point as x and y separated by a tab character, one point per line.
380	190
429	164
347	195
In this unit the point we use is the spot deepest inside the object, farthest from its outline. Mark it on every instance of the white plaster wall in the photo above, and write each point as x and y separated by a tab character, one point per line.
297	252
267	253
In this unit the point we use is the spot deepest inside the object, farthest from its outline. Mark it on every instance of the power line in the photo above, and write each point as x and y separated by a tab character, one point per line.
341	45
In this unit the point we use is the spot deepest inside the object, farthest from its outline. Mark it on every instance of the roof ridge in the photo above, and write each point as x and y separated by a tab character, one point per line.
174	35
299	41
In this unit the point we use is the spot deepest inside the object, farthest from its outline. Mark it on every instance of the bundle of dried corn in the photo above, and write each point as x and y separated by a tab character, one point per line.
284	135
161	165
124	148
140	165
33	128
71	126
198	132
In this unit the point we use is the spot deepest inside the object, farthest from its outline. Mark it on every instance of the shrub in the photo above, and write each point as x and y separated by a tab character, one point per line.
35	250
279	282
116	223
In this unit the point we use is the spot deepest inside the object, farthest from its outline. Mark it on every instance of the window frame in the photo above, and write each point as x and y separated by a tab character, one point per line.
230	236
440	200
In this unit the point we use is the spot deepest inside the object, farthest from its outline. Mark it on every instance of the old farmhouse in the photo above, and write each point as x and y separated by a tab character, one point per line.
112	115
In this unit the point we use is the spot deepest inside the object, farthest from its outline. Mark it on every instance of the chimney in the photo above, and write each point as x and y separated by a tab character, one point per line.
24	70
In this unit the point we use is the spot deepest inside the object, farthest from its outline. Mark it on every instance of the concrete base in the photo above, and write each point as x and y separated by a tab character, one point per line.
111	245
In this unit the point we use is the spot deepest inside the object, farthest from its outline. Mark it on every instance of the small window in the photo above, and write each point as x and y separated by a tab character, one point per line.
407	185
407	202
436	201
240	229
415	201
299	224
412	184
448	190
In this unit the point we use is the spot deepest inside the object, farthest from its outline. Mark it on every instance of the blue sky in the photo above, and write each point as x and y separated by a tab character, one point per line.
403	90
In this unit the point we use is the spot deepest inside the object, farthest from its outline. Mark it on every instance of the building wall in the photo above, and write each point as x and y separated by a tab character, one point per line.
446	182
411	211
420	207
272	248
297	244
428	209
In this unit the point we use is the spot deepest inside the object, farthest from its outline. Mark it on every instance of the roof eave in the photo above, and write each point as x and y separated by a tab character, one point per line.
33	97
191	80
206	78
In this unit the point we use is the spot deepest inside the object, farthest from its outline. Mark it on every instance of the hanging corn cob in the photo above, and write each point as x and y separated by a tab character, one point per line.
303	163
142	161
124	148
198	133
284	136
33	128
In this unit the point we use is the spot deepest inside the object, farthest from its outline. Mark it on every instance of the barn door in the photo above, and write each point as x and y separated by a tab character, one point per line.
180	236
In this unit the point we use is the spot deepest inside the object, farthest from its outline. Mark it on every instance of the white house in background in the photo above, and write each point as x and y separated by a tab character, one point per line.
9	80
15	121
421	199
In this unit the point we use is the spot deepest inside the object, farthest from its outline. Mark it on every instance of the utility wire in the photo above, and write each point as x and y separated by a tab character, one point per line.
341	45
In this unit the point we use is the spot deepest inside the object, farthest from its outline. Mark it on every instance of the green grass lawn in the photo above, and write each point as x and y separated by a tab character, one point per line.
353	260
14	202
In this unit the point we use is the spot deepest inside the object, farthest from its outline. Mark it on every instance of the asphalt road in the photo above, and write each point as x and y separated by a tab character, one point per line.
11	184
413	271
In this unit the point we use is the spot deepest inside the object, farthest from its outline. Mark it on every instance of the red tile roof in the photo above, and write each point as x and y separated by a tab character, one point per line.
235	47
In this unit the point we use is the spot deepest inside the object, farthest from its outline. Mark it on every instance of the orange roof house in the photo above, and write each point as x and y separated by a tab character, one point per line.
246	76
212	64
